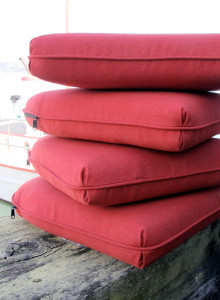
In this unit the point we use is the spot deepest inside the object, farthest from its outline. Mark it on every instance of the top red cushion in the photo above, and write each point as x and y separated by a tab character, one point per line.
137	61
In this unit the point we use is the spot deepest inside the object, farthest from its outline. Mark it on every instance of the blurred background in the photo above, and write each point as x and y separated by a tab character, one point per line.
22	20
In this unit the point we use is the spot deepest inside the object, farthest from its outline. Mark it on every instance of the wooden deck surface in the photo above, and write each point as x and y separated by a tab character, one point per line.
37	265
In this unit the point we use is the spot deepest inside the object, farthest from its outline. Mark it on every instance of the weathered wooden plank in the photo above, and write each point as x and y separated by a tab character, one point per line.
37	265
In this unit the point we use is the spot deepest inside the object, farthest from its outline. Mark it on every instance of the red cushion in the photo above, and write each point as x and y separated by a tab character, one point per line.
170	61
105	174
159	120
138	234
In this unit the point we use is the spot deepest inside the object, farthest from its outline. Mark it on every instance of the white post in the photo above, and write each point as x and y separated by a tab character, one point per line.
67	15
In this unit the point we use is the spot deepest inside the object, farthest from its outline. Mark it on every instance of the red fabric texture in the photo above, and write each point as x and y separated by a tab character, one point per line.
138	234
115	61
170	121
105	174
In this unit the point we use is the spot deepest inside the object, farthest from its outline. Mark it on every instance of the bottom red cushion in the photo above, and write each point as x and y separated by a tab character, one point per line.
138	234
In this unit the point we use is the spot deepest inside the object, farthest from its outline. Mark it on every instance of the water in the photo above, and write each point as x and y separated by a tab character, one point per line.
5	209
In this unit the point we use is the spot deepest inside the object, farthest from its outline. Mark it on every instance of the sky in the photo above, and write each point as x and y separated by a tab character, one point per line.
22	20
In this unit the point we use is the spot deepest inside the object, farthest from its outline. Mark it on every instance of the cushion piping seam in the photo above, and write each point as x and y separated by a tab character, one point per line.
123	58
120	183
109	122
151	248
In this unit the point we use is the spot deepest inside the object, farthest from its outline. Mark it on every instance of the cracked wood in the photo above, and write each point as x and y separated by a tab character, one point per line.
37	265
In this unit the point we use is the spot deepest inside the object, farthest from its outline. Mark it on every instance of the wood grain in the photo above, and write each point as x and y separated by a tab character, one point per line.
37	265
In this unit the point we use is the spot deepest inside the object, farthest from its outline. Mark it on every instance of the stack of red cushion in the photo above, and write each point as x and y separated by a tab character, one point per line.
129	167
